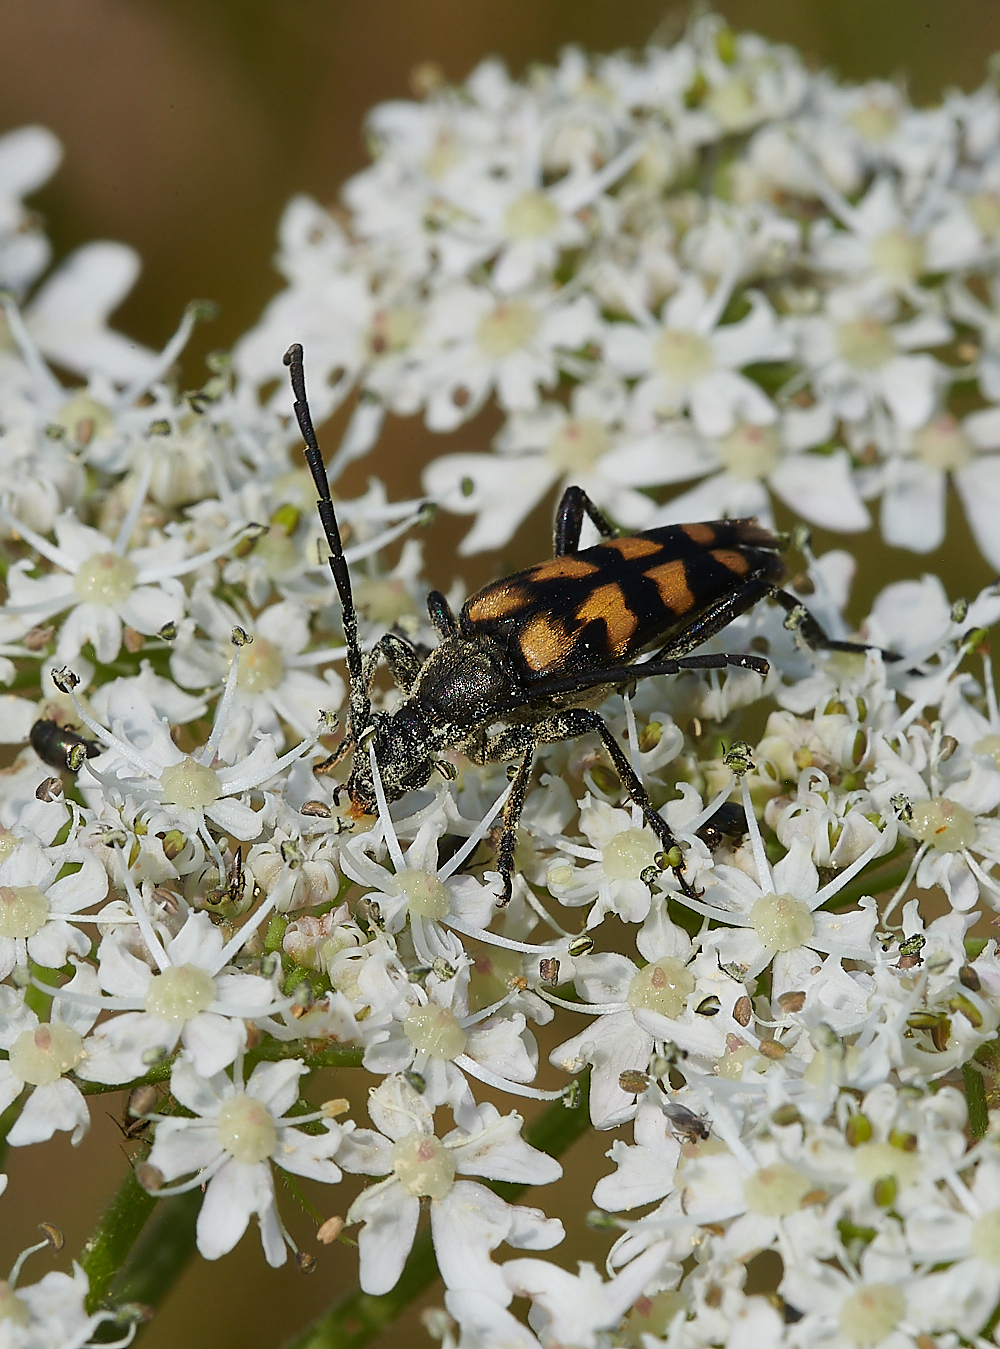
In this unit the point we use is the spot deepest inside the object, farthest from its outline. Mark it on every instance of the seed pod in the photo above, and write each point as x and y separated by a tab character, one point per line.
792	1002
858	1129
772	1049
633	1081
548	970
884	1191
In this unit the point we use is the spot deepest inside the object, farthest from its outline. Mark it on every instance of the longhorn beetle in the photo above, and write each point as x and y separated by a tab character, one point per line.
532	655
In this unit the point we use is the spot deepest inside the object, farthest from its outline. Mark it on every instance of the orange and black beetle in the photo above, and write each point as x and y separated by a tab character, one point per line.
530	656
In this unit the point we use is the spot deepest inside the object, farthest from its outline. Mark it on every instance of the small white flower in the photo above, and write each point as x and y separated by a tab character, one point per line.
236	1133
38	913
468	1221
476	341
39	1055
187	996
691	360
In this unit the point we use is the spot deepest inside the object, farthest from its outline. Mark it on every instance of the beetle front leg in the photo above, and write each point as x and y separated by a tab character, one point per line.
401	657
516	740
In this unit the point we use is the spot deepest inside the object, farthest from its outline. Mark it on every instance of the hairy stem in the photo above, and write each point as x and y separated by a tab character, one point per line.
359	1317
159	1257
115	1234
975	1097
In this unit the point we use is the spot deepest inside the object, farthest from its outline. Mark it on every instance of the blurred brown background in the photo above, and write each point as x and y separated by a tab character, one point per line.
187	124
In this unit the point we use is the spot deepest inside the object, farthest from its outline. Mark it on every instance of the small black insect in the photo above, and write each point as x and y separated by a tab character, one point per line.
60	746
685	1123
532	655
727	825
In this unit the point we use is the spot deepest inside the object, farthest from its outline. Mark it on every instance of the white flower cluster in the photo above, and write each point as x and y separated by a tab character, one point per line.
756	280
714	266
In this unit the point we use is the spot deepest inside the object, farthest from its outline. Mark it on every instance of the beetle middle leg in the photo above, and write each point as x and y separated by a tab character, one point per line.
523	740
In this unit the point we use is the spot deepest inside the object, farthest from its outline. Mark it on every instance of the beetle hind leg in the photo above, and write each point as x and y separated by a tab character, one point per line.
803	624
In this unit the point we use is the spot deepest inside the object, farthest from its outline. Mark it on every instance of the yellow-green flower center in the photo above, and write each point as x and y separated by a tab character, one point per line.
260	666
578	444
775	1191
984	1240
435	1031
442	159
984	208
682	356
180	993
944	824
898	254
871	1314
83	418
276	553
873	1161
24	910
750	452
14	1311
426	895
628	854
865	343
190	783
246	1129
531	217
782	922
663	986
423	1165
105	578
873	122
42	1055
393	329
732	104
507	328
989	745
942	444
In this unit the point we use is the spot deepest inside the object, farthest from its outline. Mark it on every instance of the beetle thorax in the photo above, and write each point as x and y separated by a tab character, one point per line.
466	683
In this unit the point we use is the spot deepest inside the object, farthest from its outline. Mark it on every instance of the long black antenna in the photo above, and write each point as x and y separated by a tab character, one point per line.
360	705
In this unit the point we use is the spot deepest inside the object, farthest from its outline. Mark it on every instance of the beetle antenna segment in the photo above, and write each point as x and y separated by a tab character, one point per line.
360	703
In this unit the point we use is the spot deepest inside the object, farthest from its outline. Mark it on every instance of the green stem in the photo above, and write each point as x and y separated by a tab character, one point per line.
159	1073
114	1237
7	1122
331	1056
359	1317
975	1096
159	1257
